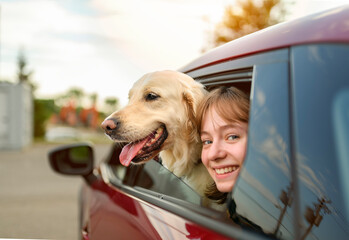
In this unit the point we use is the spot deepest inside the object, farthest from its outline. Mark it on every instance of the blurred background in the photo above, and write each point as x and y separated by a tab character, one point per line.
67	64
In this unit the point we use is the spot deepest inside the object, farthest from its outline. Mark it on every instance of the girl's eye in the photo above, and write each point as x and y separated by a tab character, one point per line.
232	137
206	142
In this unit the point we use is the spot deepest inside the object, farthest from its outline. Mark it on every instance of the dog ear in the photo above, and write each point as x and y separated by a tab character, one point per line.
191	101
190	110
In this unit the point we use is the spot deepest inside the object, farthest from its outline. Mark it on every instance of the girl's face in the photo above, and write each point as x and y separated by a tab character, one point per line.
224	149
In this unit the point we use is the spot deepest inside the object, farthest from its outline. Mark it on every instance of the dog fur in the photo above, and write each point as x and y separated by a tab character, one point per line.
168	100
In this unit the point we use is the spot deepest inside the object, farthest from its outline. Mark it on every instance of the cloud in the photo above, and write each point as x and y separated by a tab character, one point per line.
27	21
309	177
101	46
63	48
155	33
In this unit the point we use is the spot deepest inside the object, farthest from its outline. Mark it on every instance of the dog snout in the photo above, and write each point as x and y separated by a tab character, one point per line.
110	125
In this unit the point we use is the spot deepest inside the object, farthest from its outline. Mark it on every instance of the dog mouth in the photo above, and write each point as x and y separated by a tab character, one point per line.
143	149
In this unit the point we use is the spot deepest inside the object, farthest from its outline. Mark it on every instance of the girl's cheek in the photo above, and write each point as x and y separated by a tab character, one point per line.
204	157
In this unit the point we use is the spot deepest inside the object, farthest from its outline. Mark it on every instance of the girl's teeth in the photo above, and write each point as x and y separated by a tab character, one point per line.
225	170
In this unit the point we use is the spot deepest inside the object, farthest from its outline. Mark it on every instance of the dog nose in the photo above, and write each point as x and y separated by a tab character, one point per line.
110	124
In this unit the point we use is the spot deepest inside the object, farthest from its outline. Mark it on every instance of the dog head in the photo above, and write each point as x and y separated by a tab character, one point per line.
160	113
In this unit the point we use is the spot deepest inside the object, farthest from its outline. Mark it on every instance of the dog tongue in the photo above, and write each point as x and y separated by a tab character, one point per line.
130	151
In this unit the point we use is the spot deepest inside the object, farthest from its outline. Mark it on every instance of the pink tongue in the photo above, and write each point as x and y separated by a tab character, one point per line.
130	151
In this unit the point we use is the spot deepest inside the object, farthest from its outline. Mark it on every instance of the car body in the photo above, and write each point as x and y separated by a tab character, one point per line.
294	183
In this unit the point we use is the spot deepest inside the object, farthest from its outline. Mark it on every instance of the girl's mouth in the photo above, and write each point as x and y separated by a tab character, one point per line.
225	170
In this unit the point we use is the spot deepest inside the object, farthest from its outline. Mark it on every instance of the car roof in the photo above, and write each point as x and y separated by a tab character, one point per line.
323	27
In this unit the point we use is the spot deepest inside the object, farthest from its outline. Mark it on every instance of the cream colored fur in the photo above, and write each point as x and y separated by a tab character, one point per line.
179	96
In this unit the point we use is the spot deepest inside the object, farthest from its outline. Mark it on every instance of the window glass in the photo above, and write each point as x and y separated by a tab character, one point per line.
320	75
262	200
155	177
341	134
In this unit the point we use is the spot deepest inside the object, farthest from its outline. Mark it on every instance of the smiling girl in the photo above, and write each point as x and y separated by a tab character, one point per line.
222	123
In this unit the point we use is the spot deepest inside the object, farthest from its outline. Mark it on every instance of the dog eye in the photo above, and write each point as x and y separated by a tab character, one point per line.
151	97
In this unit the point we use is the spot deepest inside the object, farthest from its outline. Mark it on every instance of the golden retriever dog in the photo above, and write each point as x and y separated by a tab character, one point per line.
160	119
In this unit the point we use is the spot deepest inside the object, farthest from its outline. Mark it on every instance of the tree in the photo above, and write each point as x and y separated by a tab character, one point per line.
245	17
43	110
24	75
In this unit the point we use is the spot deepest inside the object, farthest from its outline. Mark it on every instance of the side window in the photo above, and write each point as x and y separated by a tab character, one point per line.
152	178
262	198
321	96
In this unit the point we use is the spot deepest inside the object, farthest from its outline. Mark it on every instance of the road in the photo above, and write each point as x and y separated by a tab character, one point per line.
36	202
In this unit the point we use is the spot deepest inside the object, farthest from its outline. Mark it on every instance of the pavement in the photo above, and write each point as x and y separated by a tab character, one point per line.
35	202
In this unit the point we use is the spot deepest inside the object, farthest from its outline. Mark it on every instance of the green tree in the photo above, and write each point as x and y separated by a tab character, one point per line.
245	17
23	74
43	109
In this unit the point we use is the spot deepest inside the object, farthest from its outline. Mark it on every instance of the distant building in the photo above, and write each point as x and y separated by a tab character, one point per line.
16	116
89	117
75	117
68	114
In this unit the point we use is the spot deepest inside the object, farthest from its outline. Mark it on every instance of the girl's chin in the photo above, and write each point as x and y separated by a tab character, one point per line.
223	187
225	184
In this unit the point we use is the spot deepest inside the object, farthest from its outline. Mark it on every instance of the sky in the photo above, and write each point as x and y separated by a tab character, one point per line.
104	46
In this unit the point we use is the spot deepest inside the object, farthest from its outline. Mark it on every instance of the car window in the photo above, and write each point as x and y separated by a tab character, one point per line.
152	178
321	90
341	134
262	198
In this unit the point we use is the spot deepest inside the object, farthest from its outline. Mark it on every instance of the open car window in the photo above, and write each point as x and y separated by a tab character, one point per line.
154	178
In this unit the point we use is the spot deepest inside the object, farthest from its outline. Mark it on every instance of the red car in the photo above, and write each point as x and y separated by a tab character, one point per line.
295	181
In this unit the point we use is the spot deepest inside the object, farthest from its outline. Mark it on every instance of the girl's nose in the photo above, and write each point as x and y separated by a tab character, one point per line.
216	152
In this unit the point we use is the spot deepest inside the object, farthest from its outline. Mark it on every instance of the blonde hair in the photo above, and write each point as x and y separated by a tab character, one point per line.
231	104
